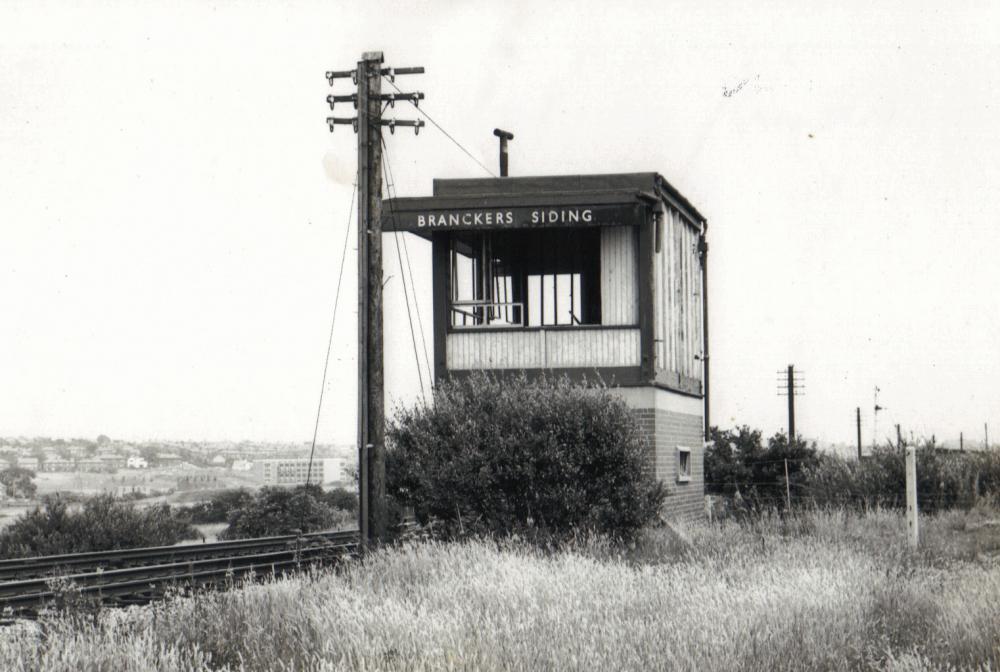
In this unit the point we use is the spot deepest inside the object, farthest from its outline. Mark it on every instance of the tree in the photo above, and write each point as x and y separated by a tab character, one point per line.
278	511
508	455
18	482
103	523
737	461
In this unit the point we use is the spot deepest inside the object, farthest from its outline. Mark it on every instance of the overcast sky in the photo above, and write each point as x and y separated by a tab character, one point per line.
173	207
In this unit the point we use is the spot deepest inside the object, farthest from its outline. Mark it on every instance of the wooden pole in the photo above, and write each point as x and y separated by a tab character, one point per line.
791	405
857	415
371	420
788	491
911	497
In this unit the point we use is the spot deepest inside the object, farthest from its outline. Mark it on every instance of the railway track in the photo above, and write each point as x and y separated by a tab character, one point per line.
140	575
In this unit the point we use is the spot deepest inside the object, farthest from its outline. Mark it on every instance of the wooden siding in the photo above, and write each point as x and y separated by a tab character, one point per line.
619	296
677	299
543	349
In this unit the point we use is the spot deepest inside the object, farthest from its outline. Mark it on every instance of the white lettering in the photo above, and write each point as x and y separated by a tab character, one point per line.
421	221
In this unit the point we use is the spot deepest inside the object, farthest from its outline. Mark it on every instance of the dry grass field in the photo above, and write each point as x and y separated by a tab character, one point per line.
825	591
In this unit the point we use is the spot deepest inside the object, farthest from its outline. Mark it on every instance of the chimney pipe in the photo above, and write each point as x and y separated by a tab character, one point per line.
504	137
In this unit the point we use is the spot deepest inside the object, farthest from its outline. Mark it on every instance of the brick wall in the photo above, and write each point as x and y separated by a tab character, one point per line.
665	430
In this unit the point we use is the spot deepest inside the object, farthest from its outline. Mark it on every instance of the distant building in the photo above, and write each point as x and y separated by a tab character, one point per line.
218	460
136	462
333	470
93	464
28	463
54	464
242	465
289	471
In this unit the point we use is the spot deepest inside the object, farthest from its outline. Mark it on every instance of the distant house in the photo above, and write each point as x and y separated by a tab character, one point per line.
112	462
92	464
169	458
54	464
28	463
242	465
218	461
136	462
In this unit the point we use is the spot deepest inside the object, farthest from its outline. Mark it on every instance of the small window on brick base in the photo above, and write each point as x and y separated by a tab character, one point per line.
683	464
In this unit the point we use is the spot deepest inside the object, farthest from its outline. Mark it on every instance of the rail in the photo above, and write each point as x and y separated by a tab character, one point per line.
144	574
486	314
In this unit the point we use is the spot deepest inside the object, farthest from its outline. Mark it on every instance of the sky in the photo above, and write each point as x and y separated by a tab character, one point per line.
173	208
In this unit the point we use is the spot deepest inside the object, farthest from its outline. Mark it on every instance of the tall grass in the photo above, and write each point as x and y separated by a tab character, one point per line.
825	591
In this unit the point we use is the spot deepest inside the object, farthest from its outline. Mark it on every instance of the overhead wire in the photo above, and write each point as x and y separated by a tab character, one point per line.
329	343
402	273
391	184
448	135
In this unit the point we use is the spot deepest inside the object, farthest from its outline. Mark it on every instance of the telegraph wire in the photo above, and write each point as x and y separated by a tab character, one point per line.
391	184
329	342
438	126
399	257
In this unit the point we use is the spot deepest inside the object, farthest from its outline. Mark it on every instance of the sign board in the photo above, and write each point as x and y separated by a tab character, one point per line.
429	219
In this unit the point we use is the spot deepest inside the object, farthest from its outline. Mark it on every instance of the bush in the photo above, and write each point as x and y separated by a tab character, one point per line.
277	511
946	479
220	506
737	461
18	482
103	523
505	455
340	498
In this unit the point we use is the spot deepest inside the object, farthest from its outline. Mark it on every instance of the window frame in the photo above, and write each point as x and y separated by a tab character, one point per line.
683	465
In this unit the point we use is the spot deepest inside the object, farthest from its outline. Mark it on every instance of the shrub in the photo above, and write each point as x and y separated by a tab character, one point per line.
507	455
277	511
18	482
103	523
945	479
737	461
220	506
340	498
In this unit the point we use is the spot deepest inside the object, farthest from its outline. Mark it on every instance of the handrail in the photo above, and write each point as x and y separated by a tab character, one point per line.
487	314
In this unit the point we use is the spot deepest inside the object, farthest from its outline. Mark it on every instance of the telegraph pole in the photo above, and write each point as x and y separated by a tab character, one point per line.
791	405
857	414
372	513
792	388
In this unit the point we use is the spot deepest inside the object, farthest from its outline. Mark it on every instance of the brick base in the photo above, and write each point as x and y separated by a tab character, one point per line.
669	421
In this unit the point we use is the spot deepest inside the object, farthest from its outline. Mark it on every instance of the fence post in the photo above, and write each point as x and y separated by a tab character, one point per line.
912	523
788	490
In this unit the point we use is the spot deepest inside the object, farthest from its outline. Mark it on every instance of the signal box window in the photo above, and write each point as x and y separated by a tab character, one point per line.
525	278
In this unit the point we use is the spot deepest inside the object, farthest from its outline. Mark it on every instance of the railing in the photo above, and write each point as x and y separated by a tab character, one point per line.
486	314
